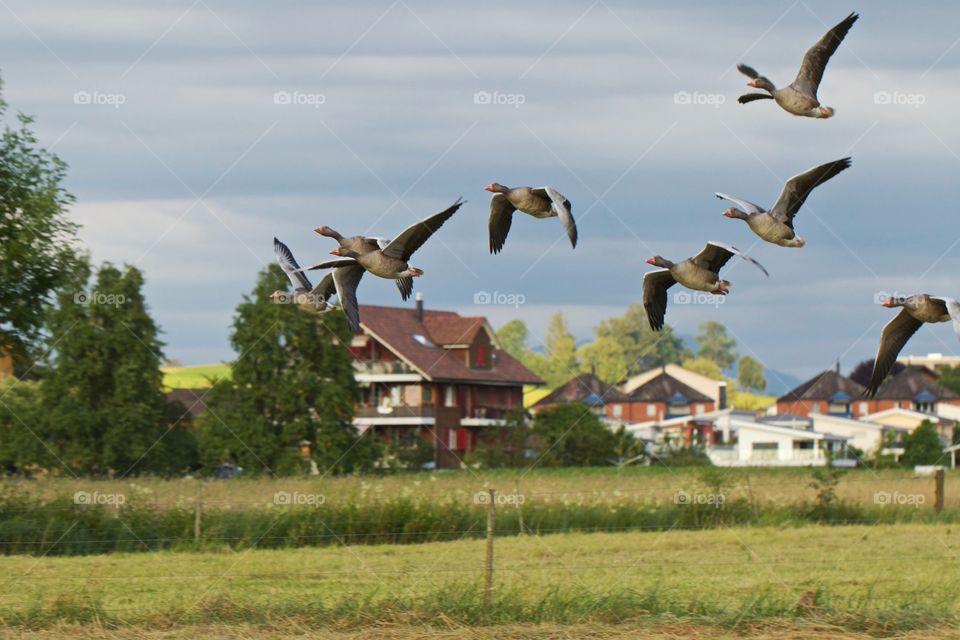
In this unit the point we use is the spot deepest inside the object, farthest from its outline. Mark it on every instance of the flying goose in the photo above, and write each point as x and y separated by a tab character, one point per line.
342	281
800	97
699	272
541	202
776	225
391	261
364	244
916	310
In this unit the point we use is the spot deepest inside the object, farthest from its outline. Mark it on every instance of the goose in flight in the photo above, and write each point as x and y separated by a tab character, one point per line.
915	311
699	273
542	202
800	97
776	225
364	244
391	262
342	281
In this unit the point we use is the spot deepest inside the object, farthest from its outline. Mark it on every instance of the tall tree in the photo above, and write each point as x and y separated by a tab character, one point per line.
714	343
704	367
625	345
514	339
105	408
923	446
37	239
750	374
561	351
292	381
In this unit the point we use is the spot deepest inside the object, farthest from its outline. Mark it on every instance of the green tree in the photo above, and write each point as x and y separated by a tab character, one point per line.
105	409
713	343
572	435
949	378
750	374
704	367
625	345
37	239
513	338
292	381
561	351
922	446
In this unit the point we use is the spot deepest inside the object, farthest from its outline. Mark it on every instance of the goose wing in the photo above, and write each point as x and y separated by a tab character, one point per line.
896	334
797	188
655	285
290	267
816	58
501	216
413	237
716	254
346	280
746	205
563	209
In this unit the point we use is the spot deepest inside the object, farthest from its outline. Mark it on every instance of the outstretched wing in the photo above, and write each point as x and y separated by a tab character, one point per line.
330	264
655	285
746	205
563	208
405	285
750	97
816	58
896	334
797	188
413	237
750	72
290	267
716	254
501	216
346	280
325	288
953	308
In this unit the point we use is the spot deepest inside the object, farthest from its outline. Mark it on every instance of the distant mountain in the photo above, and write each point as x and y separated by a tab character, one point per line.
778	382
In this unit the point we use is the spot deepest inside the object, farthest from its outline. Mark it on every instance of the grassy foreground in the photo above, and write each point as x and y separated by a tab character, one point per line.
868	579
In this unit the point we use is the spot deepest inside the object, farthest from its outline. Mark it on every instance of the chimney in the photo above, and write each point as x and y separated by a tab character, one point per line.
419	299
838	366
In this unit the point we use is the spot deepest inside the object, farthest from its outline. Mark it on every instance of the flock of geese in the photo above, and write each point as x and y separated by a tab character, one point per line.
385	258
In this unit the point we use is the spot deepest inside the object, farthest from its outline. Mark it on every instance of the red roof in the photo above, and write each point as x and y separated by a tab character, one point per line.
419	343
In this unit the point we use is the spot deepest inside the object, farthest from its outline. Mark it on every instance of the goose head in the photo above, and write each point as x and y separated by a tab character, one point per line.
496	187
659	261
894	301
733	212
762	83
344	253
326	231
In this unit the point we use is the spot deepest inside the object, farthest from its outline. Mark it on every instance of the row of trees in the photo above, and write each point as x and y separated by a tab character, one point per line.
624	346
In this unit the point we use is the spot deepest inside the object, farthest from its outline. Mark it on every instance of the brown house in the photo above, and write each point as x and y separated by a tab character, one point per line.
435	374
661	396
914	388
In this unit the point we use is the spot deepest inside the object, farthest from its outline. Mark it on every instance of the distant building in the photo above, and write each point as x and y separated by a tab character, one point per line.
914	388
827	392
663	395
716	390
434	374
930	361
604	399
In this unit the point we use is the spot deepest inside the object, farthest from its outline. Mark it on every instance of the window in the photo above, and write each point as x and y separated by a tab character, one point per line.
427	394
651	410
449	398
395	395
864	408
701	409
617	410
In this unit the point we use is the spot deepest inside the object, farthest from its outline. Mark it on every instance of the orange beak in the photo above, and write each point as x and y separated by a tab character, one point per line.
489	187
753	83
652	261
335	252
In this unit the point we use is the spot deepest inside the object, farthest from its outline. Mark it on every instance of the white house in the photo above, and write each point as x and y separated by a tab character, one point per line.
755	443
863	434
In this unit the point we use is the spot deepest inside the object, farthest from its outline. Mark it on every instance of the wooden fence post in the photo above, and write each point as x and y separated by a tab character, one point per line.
488	566
519	501
198	512
938	494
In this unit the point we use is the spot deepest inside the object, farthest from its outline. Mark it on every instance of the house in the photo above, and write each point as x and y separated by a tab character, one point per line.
827	392
930	361
870	437
716	390
753	443
916	388
606	400
662	395
434	374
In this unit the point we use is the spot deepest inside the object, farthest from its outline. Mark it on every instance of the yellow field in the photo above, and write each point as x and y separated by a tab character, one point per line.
194	377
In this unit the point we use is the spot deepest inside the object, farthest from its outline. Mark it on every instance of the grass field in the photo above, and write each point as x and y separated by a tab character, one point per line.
194	377
874	580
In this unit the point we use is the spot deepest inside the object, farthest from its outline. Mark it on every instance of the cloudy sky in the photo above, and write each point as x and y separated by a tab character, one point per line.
195	131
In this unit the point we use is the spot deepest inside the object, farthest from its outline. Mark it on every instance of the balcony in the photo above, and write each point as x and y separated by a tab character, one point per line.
384	371
398	415
485	417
